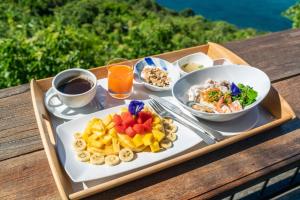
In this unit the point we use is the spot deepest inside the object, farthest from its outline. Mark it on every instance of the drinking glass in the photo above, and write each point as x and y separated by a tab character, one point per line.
120	78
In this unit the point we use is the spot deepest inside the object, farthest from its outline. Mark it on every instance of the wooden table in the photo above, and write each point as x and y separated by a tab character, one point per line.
25	174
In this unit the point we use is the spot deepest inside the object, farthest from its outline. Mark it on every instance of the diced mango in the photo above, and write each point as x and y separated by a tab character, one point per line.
154	146
106	139
107	120
138	140
116	145
113	133
110	125
156	120
158	135
148	139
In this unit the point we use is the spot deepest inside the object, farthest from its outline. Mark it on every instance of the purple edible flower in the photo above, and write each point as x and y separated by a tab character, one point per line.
235	90
135	107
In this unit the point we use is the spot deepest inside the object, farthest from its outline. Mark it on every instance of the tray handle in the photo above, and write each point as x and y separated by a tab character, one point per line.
48	139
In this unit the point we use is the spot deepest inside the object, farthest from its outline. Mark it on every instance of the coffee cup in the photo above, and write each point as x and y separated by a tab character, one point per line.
73	87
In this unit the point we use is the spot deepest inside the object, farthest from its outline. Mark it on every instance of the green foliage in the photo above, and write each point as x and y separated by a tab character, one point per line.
293	13
39	38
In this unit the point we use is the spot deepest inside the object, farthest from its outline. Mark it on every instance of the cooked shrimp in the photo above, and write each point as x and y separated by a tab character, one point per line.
235	106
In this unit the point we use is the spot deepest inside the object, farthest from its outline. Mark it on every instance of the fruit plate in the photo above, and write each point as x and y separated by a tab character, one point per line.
81	171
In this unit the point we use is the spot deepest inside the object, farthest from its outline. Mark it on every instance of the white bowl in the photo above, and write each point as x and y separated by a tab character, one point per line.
198	58
173	72
234	73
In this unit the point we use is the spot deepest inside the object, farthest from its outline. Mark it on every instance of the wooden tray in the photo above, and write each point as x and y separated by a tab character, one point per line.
273	103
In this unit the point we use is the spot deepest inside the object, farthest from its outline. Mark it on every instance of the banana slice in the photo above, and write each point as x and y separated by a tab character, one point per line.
112	160
171	128
79	145
166	143
126	155
77	135
172	136
97	159
83	156
168	120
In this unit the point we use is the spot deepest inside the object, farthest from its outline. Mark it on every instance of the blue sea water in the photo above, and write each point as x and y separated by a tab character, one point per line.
264	15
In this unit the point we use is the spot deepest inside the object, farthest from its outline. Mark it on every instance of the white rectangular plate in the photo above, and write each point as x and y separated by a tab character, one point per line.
80	171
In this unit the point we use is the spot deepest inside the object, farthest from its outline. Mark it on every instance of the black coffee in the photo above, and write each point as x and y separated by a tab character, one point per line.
75	85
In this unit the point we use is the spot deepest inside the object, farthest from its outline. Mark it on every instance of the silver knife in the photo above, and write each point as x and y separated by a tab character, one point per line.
175	110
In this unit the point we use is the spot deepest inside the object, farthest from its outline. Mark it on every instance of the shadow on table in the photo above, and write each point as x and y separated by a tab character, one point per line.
198	162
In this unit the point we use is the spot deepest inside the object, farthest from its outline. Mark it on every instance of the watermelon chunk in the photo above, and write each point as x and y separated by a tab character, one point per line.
120	128
130	132
117	119
127	119
144	116
148	125
139	128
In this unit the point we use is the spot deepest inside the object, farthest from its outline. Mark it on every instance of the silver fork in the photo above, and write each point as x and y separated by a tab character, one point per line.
164	113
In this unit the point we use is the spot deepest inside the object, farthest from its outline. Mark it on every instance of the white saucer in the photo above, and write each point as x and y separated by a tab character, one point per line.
236	126
60	110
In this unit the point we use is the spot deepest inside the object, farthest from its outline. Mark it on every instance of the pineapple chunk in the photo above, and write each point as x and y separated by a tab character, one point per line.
99	126
126	141
148	139
113	133
109	150
110	125
154	146
93	137
158	135
138	140
98	133
158	127
86	134
139	149
124	109
95	143
106	139
116	145
107	120
156	120
95	150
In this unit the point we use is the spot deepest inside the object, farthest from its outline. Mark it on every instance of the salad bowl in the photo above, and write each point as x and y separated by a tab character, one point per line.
237	74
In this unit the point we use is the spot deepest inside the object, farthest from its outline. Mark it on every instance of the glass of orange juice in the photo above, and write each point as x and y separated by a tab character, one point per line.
120	78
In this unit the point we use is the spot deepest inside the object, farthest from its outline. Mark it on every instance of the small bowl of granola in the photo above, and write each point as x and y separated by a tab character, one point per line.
156	74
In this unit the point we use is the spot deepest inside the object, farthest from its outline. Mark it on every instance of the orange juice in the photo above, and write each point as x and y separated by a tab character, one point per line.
120	81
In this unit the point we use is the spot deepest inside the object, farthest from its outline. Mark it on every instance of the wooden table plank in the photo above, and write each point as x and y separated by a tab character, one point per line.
27	177
18	129
290	90
277	54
